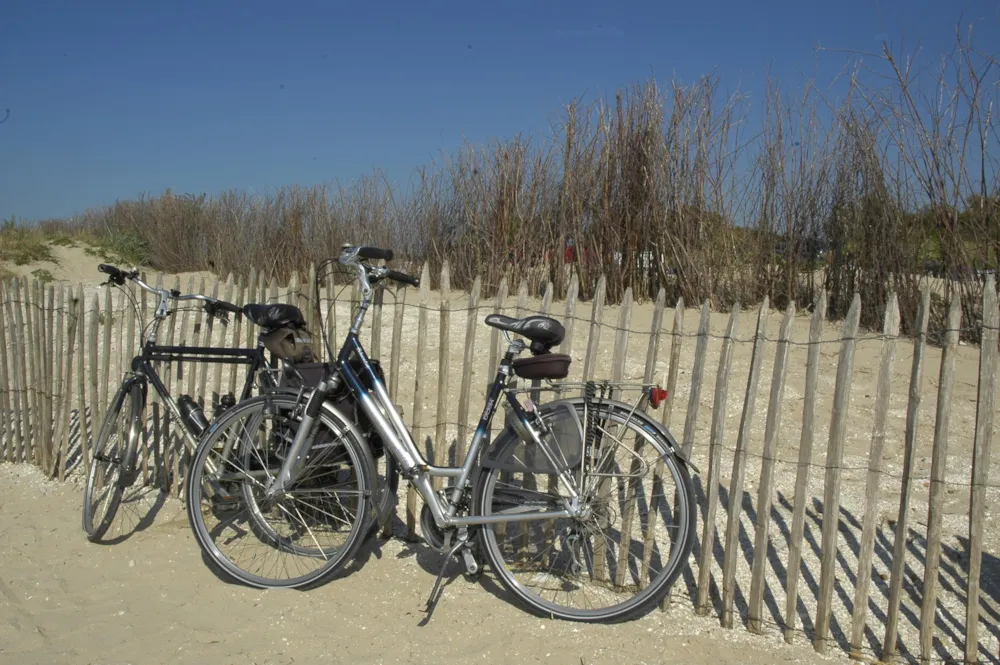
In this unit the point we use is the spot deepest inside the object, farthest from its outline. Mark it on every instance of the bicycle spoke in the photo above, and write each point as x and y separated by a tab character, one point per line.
296	536
606	562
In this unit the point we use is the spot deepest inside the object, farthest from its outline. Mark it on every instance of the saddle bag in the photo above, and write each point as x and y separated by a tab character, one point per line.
289	344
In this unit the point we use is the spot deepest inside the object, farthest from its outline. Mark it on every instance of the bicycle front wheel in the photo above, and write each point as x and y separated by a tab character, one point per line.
111	461
299	539
616	562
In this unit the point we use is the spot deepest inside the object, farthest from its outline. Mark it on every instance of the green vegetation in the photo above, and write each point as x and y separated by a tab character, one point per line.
43	275
61	239
21	246
99	240
127	249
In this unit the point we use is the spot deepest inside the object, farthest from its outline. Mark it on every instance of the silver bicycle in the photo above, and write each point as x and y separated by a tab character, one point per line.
583	506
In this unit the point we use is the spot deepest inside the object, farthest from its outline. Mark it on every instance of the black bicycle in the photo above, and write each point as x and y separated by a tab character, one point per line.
114	465
583	506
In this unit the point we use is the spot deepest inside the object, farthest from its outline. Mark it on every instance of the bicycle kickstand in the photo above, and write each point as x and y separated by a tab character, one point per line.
471	566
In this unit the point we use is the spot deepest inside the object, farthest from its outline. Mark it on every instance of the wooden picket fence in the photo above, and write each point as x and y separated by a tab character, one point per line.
64	348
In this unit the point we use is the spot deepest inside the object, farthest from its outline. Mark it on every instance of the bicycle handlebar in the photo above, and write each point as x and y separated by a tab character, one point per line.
402	277
211	304
228	307
375	253
352	256
118	276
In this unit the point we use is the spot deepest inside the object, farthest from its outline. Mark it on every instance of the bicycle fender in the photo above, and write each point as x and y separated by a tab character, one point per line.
333	412
139	378
648	423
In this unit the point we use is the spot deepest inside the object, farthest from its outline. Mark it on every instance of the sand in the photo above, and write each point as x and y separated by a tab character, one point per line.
74	265
150	599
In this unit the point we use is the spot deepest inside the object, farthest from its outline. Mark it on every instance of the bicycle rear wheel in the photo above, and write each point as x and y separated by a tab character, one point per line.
616	563
112	460
300	539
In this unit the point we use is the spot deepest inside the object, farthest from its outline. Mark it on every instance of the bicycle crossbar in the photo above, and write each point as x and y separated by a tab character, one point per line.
200	354
202	350
198	359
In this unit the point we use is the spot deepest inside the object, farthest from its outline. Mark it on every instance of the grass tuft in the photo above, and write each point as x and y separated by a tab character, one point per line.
42	275
21	246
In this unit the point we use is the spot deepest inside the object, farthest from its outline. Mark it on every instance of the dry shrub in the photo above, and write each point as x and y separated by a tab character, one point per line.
690	189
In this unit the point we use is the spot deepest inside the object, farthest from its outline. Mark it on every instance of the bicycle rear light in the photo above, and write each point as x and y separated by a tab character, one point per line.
656	396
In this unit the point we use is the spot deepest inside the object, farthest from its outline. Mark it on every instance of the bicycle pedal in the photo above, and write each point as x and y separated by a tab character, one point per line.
226	501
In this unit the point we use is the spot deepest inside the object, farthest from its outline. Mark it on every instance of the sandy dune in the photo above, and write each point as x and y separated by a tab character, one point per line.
74	265
150	599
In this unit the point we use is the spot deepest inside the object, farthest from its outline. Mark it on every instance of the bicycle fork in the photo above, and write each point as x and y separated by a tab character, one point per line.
305	434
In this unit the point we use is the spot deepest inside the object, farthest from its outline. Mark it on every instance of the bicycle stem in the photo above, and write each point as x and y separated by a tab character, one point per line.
359	319
366	292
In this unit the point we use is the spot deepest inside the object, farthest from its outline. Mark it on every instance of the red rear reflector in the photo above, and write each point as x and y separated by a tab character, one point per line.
656	396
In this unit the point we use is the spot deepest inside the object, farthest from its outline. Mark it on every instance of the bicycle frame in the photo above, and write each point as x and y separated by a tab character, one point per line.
415	468
142	366
142	369
399	441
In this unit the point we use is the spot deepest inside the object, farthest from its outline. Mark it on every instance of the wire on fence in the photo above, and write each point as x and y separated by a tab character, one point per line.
457	309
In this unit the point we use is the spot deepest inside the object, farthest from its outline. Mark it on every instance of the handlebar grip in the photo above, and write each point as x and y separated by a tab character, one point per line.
115	275
375	253
403	277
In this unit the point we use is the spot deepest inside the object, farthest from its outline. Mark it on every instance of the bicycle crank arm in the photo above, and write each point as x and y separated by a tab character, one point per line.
471	565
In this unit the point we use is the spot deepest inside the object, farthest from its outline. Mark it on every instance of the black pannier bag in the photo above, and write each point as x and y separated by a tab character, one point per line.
564	441
312	373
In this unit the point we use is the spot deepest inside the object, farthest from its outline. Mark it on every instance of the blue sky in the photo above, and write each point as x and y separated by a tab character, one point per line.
111	99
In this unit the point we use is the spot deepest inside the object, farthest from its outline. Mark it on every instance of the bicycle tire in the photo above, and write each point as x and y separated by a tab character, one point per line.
654	590
96	529
361	462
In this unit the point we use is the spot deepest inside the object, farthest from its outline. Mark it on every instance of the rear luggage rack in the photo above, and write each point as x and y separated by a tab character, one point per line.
649	393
